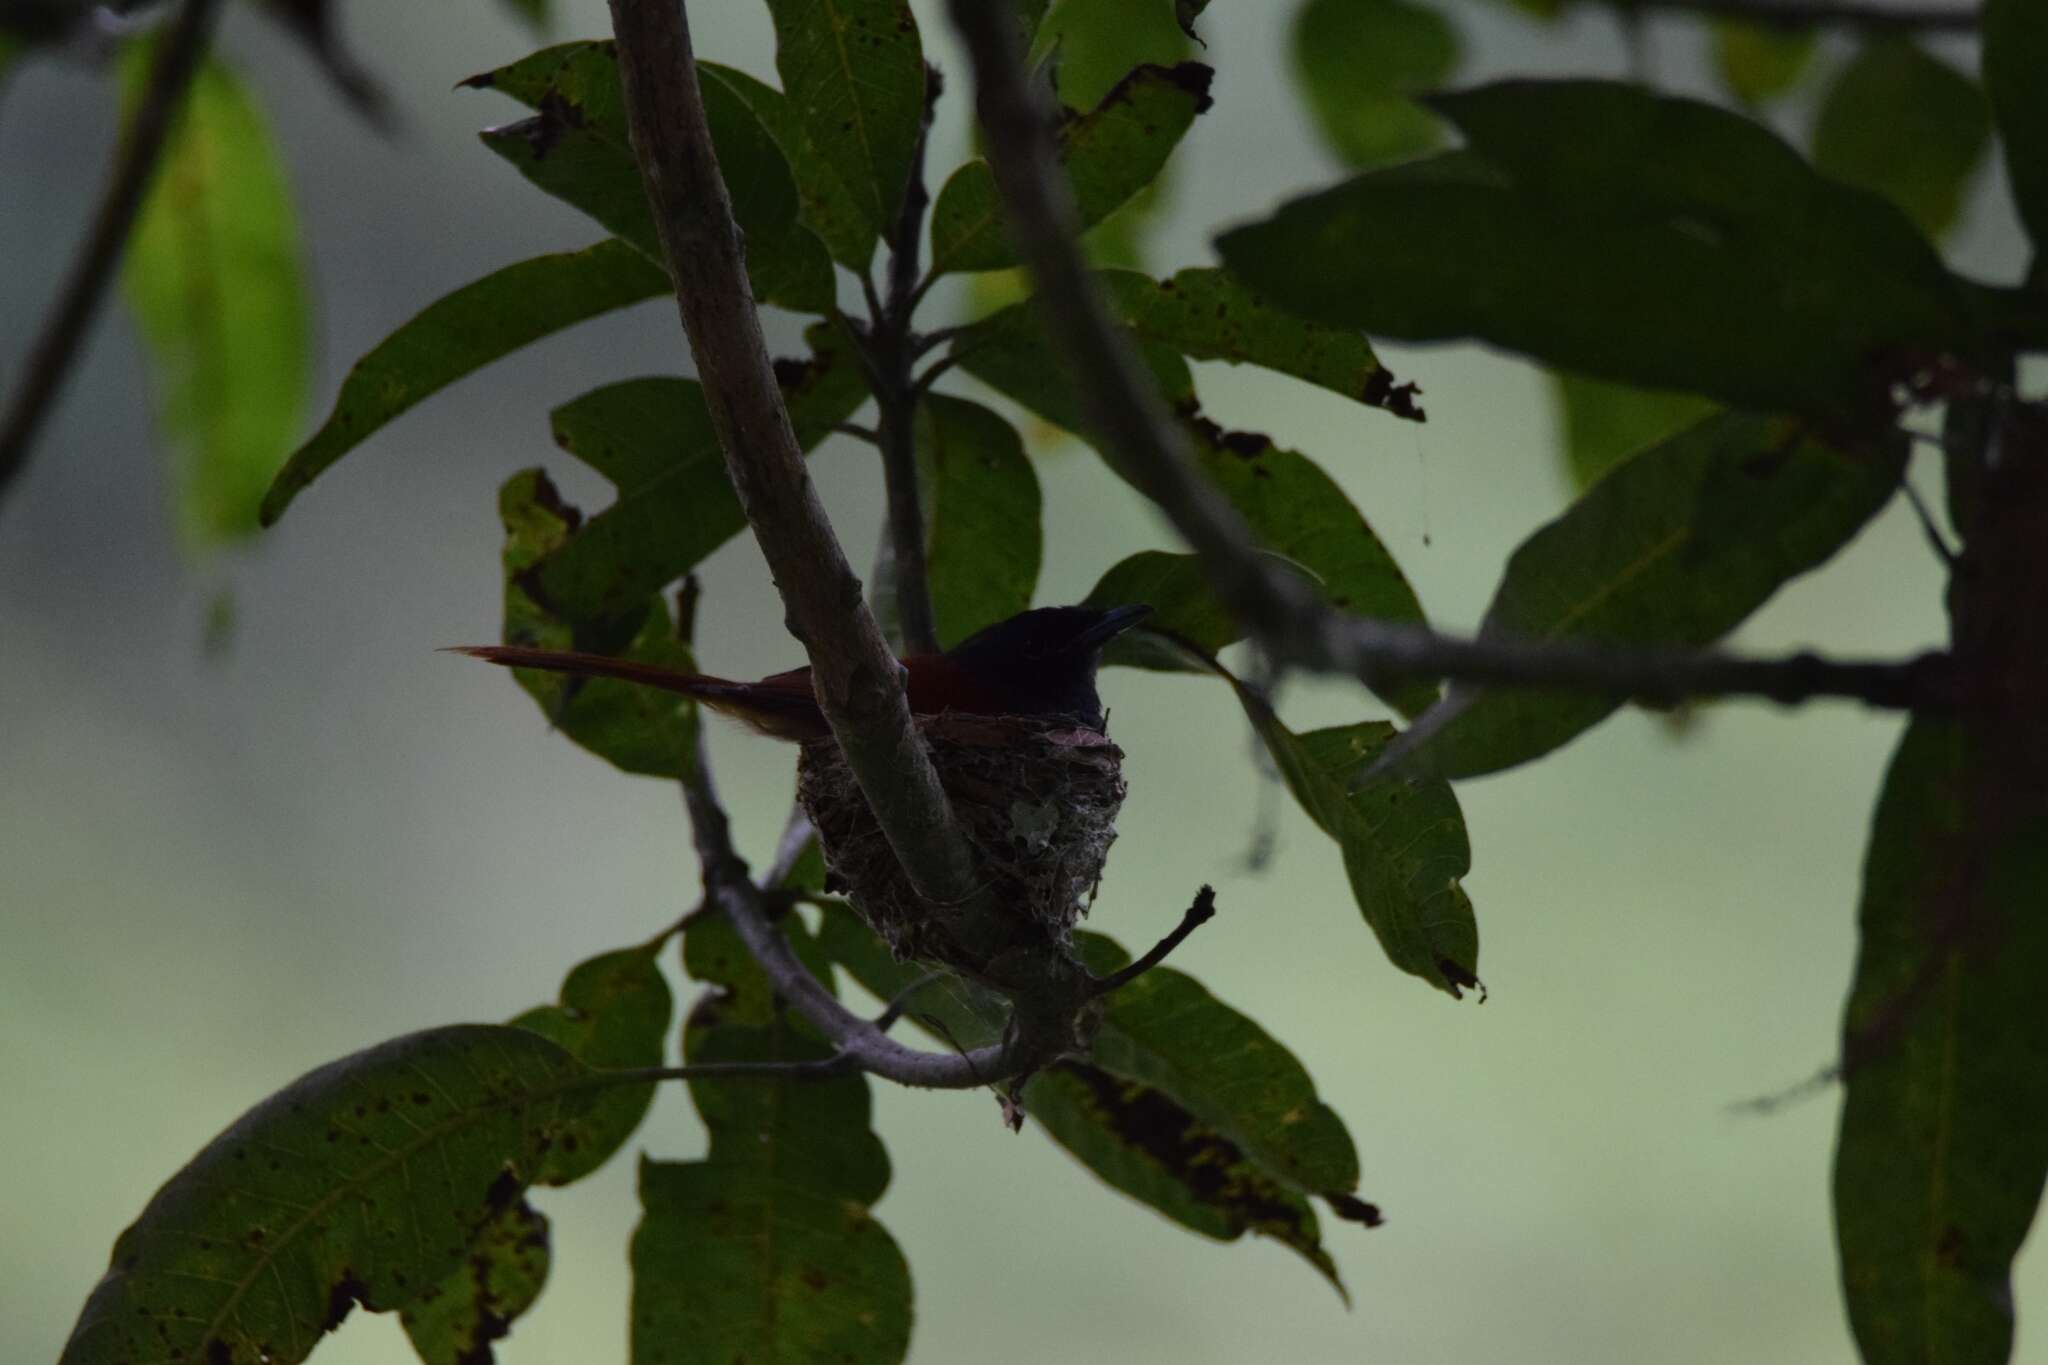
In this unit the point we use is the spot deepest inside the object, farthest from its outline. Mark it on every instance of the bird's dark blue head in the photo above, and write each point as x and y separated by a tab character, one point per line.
1043	662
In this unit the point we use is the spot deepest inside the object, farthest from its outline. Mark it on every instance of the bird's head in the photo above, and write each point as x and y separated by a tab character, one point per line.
1045	660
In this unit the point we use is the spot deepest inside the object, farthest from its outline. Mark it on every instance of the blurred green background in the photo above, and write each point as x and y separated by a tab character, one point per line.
218	870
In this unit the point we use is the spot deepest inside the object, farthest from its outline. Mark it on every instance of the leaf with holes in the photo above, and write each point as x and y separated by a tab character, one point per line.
212	276
1944	1136
1632	237
613	1015
1110	153
455	1321
1675	547
854	73
653	439
362	1182
1907	126
459	334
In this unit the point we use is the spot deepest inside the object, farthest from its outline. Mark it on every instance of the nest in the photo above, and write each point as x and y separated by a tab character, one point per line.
1037	798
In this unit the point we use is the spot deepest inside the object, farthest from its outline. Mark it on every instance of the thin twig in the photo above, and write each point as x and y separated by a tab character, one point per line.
1123	407
178	56
1200	913
859	433
858	682
1825	13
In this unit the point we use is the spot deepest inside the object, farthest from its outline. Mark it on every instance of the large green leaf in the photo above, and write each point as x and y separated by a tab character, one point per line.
1906	125
1760	62
455	1321
1208	314
824	203
461	333
2015	55
1403	841
1110	153
765	1251
576	147
1674	547
981	502
1183	608
1944	1138
1298	511
854	72
362	1182
1359	60
1628	236
653	439
614	1015
1602	424
212	274
1138	1138
637	729
1090	47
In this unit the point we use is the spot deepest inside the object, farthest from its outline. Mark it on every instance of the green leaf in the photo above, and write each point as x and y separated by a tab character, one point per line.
362	1182
535	13
854	73
1631	237
1091	47
212	275
459	334
1674	547
766	1251
1297	510
824	203
1603	424
1358	60
1944	1139
1759	63
1136	1137
1186	12
653	439
1906	126
1182	606
1208	314
1403	840
981	503
613	1015
577	148
1110	153
636	729
2015	55
455	1321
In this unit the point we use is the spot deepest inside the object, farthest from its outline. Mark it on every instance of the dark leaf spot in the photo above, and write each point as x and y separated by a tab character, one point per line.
345	1294
1354	1209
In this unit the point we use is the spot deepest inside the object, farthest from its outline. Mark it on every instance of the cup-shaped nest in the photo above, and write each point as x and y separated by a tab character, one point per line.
1037	798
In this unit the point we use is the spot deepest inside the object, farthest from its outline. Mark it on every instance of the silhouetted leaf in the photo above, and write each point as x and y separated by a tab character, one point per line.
1110	153
1628	236
212	274
1674	547
1297	510
613	1015
1403	840
1358	60
576	148
1907	126
1137	1137
824	203
460	333
455	1321
1944	1139
854	73
653	439
312	22
362	1182
637	729
2015	54
981	506
1603	424
1187	11
1759	62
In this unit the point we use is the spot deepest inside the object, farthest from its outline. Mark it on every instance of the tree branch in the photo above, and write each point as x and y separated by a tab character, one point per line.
1833	13
1198	914
858	682
1127	415
178	57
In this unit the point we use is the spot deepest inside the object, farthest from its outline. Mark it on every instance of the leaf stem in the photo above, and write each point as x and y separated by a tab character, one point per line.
49	361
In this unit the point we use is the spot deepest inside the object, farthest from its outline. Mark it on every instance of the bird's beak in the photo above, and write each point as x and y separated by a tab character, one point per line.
1114	622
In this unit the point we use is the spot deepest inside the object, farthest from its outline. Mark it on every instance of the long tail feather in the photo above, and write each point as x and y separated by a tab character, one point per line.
598	666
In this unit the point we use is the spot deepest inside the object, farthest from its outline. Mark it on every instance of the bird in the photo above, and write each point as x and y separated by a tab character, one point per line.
1038	663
